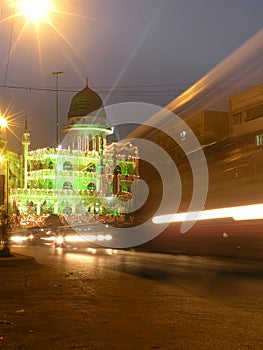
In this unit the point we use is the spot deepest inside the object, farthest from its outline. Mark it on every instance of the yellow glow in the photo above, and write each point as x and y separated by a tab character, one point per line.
59	239
50	238
18	239
35	10
3	122
92	238
244	212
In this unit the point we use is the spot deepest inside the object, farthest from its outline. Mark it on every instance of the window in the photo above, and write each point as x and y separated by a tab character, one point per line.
91	168
50	165
67	185
91	186
259	140
117	170
236	118
67	166
254	113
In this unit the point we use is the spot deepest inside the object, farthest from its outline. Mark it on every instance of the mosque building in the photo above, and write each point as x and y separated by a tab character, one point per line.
84	175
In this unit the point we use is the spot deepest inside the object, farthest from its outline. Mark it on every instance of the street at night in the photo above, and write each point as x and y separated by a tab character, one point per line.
131	193
112	299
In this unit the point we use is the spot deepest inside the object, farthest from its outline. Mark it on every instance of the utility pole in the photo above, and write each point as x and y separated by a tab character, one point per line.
25	143
57	123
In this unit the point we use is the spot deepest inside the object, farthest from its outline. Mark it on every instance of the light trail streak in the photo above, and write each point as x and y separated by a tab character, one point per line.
238	213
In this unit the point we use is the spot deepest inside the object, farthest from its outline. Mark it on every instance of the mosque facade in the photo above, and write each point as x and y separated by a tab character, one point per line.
85	175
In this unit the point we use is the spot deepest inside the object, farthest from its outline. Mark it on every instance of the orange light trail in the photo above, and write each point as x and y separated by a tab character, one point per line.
244	61
238	213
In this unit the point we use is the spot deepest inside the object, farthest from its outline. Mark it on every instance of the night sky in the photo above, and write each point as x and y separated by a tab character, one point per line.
140	50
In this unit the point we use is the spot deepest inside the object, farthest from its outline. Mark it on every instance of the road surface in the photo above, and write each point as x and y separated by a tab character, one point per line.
106	299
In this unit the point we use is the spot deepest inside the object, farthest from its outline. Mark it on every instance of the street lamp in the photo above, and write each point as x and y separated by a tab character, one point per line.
3	125
3	122
57	124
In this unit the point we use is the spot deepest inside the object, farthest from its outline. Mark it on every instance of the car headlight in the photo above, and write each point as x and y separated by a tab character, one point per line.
59	239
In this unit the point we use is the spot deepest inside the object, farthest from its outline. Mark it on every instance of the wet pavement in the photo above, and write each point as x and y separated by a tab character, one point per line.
106	299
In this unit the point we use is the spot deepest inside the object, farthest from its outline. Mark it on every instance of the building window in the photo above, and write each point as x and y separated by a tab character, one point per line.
254	113
91	168
259	140
91	186
50	165
236	118
117	170
67	185
79	142
67	166
67	210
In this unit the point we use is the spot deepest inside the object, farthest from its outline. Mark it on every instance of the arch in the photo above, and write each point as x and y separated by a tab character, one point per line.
50	165
67	166
67	210
117	170
67	185
91	186
115	182
91	168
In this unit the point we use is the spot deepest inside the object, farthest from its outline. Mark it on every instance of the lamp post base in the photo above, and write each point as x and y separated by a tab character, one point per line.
5	253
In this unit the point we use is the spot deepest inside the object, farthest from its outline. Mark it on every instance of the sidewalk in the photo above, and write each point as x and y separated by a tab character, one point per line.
16	260
40	307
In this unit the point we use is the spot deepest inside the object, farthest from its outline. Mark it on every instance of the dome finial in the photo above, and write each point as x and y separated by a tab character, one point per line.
87	82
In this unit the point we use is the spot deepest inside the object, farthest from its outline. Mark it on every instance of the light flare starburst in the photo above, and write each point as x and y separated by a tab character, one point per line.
50	21
37	12
34	10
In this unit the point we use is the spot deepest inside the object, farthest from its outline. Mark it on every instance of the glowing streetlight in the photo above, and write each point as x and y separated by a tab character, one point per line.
3	125
34	10
3	122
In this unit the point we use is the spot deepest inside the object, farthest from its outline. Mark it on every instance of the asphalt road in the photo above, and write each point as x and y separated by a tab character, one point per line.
134	300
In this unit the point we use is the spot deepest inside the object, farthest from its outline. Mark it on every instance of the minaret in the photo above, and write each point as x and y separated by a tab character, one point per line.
25	142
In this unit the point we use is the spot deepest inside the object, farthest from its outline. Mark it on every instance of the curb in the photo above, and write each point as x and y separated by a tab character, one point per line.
16	260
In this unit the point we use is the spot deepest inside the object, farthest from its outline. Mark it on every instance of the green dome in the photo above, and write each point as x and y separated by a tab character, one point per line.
86	102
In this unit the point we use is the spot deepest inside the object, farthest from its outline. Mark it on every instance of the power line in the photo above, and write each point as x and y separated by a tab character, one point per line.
146	90
9	52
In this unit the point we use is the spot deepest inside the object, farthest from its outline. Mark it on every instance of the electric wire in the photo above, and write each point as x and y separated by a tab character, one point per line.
146	90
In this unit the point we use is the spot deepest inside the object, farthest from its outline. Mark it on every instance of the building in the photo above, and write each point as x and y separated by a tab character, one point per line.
84	175
246	113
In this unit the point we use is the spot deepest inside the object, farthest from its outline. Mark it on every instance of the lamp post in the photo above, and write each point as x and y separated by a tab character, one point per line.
3	159
4	217
3	125
57	123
